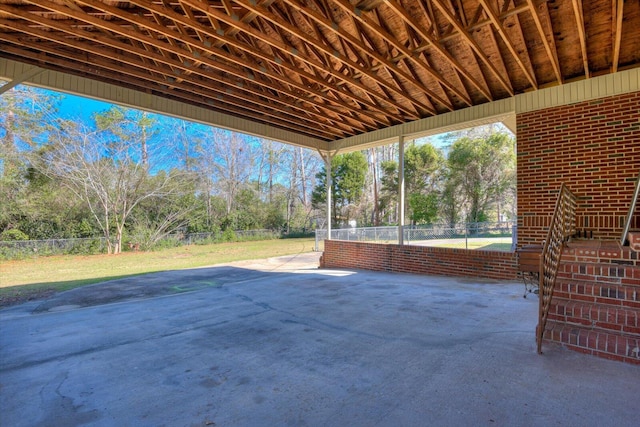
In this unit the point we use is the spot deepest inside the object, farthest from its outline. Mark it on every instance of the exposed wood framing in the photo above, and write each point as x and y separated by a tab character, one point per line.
618	8
577	10
329	69
549	43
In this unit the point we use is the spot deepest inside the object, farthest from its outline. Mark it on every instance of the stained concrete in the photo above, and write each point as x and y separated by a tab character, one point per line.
282	343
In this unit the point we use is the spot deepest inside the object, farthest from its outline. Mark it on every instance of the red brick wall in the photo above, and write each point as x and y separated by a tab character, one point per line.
594	148
419	260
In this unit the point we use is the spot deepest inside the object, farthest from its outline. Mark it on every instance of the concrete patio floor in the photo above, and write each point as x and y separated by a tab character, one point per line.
280	342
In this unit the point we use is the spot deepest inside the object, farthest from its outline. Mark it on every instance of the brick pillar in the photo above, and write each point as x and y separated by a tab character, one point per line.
594	148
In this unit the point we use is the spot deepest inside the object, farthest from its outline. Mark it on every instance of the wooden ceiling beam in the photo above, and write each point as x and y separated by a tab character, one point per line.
179	66
618	8
427	9
233	58
336	80
431	40
290	51
241	74
330	87
577	11
549	46
497	58
207	95
522	40
461	14
483	23
112	73
389	38
474	45
493	17
331	52
349	38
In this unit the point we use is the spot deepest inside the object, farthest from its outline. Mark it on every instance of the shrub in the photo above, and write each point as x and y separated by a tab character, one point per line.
229	235
13	234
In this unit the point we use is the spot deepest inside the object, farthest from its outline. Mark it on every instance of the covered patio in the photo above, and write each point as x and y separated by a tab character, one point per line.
337	76
281	342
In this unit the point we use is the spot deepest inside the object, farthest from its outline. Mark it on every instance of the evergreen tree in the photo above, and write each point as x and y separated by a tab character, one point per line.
348	172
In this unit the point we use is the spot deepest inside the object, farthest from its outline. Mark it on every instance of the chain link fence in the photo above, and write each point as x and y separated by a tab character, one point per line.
15	249
24	248
499	236
222	236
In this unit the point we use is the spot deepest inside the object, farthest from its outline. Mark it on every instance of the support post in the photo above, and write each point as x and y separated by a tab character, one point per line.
401	190
327	157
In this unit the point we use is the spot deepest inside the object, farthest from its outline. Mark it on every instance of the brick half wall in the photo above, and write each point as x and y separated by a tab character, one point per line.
419	260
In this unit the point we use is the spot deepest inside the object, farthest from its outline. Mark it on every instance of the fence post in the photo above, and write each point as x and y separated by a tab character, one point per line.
466	236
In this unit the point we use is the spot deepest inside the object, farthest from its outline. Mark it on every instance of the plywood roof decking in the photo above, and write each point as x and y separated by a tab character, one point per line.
329	69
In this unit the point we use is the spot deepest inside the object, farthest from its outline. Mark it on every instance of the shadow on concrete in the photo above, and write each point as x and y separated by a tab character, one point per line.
147	286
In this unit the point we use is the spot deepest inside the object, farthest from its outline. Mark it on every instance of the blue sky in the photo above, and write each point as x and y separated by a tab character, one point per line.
77	107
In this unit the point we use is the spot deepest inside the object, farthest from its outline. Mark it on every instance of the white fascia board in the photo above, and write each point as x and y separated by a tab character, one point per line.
504	110
484	114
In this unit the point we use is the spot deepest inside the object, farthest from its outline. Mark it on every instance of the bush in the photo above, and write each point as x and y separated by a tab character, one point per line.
13	234
229	235
296	234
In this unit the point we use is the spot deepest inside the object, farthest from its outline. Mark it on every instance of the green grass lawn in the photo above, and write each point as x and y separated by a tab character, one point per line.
22	280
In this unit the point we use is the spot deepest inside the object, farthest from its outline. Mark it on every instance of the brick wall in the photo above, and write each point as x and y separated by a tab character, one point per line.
594	148
419	260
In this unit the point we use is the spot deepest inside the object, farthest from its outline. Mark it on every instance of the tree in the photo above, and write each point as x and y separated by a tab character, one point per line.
348	172
423	181
304	168
133	127
38	149
162	214
388	199
232	161
25	114
482	172
423	173
112	175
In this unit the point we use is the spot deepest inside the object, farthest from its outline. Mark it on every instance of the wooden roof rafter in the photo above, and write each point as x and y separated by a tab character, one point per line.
512	13
618	8
577	10
242	75
496	58
207	97
334	68
495	20
356	93
480	23
549	44
271	72
252	77
434	44
287	51
267	15
133	77
180	66
474	45
408	55
367	50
